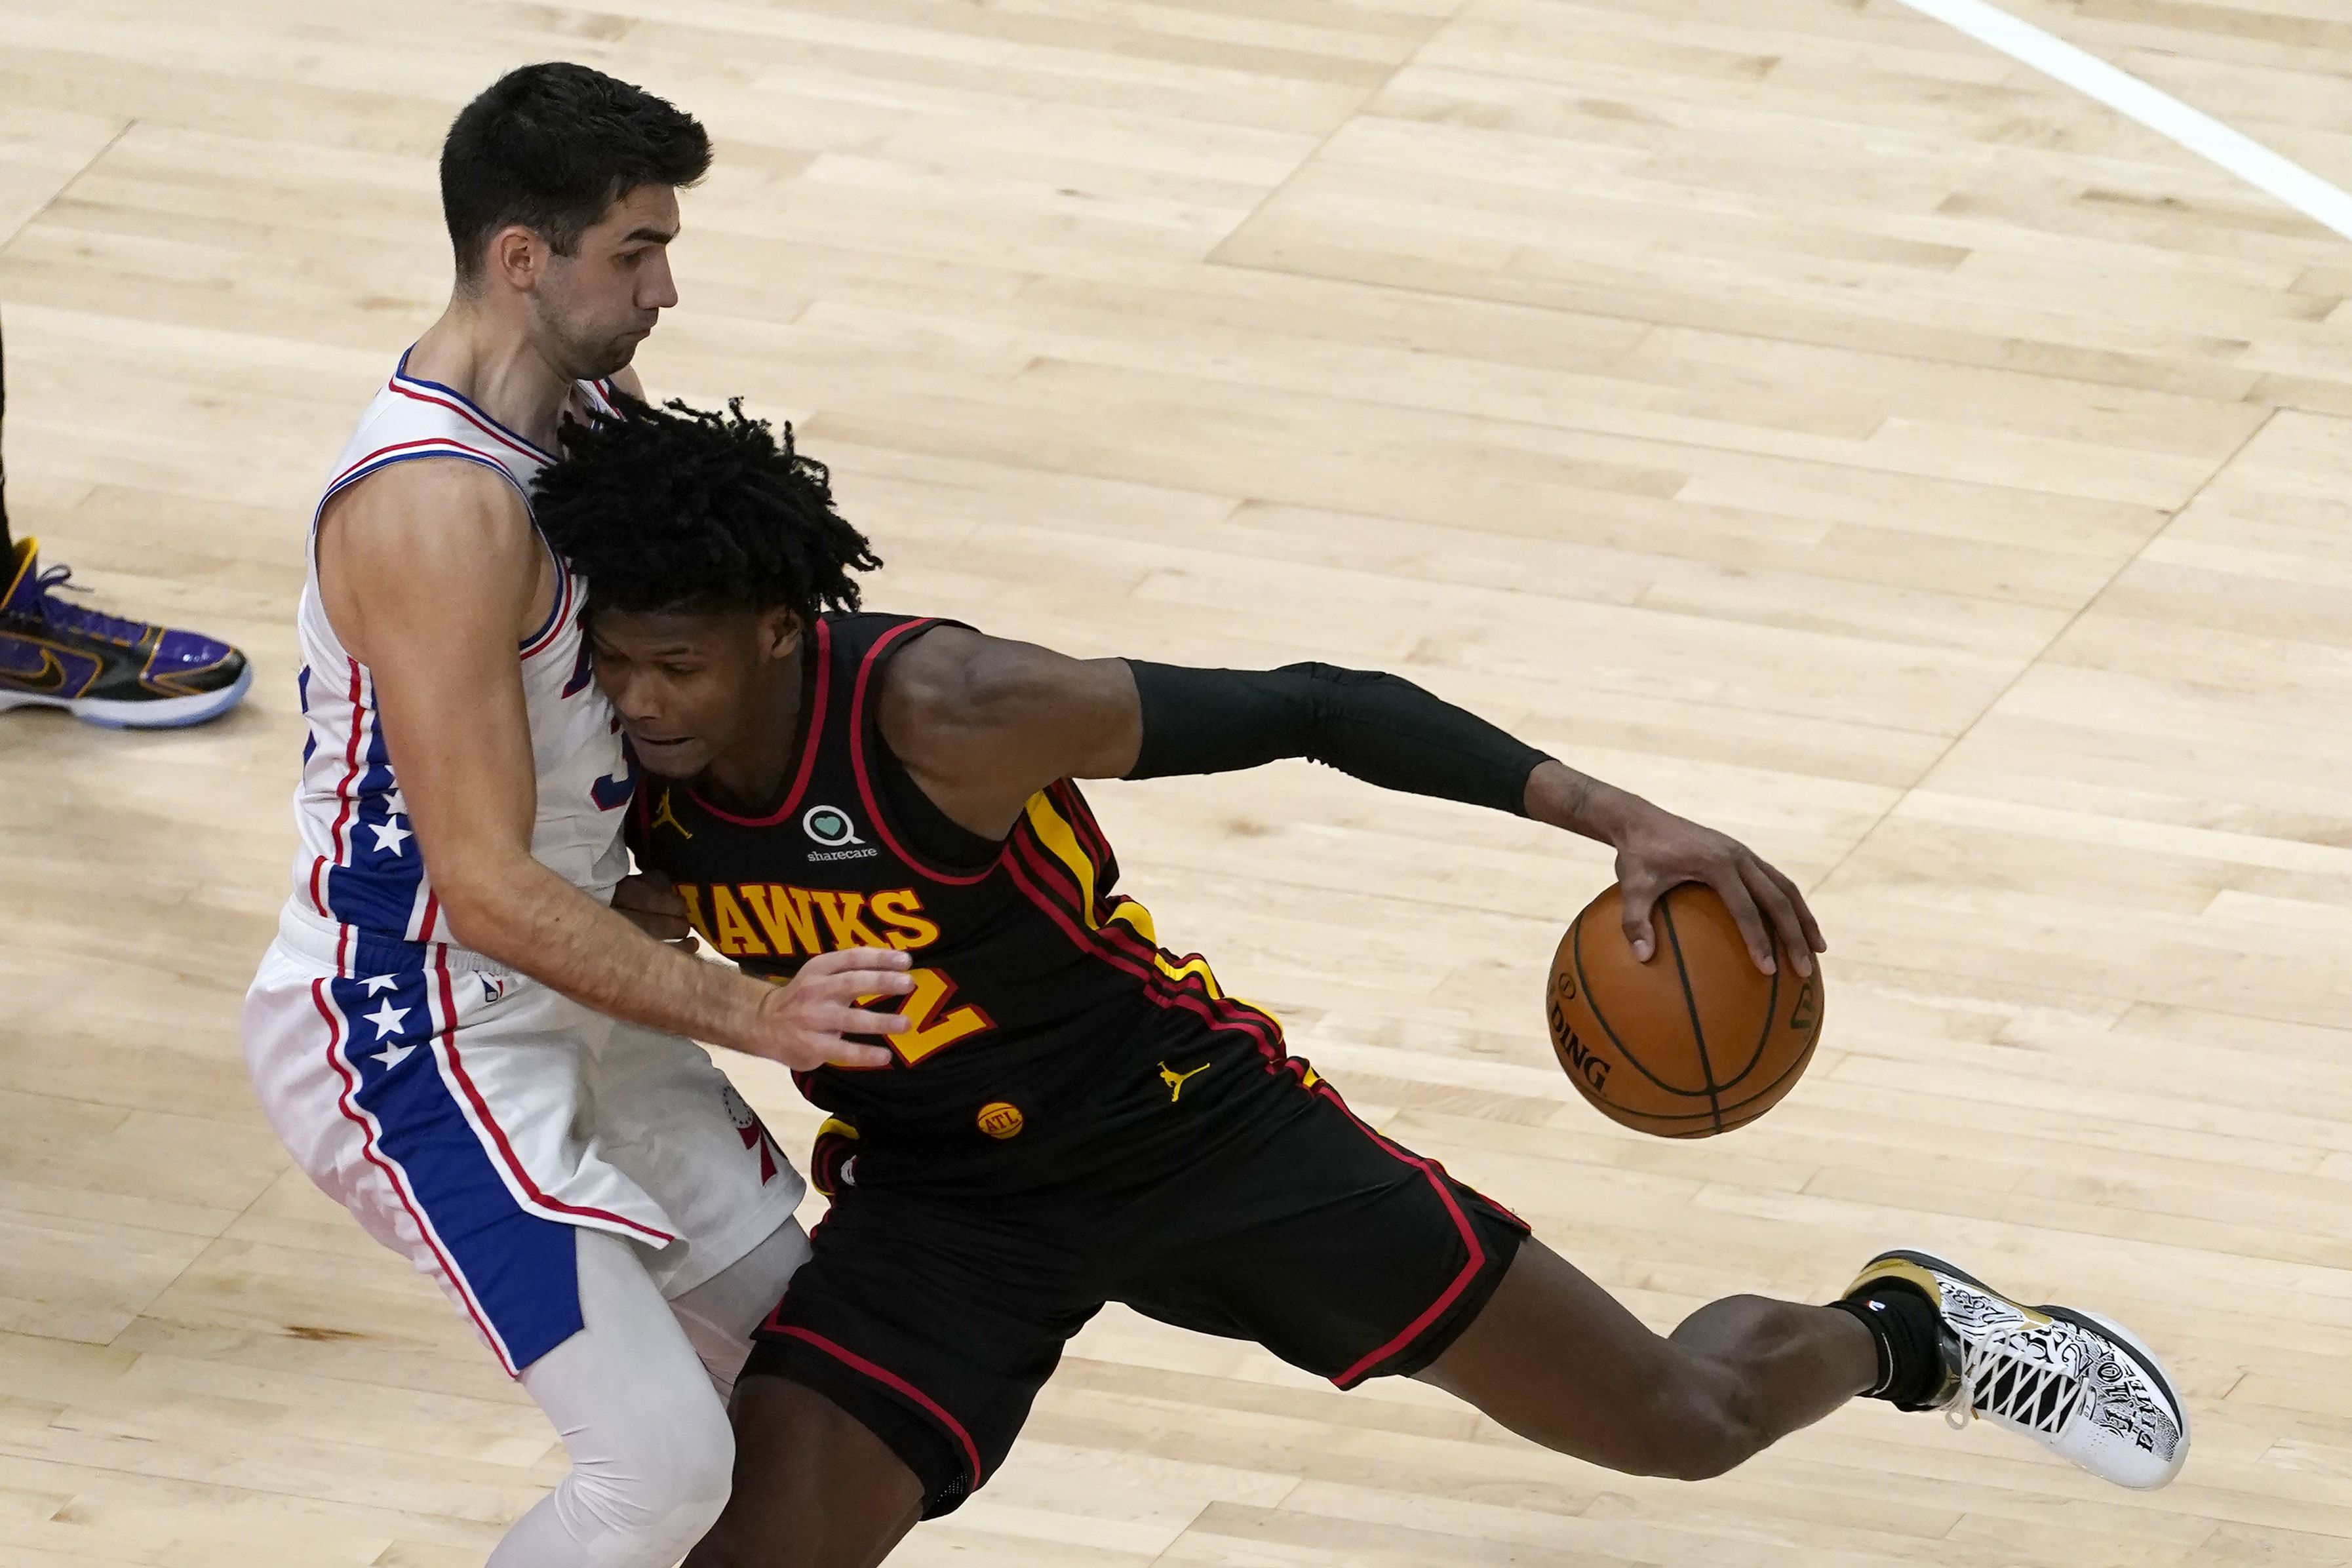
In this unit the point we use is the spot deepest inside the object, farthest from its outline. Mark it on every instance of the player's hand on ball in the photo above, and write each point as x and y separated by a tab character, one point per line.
1656	849
649	902
801	1023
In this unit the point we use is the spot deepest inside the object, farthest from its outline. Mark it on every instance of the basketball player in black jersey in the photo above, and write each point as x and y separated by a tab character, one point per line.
1076	1114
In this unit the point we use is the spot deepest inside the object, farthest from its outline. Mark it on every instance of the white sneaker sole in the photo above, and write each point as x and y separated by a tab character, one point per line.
157	713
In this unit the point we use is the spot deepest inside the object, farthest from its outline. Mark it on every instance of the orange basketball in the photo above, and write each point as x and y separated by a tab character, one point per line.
1695	1042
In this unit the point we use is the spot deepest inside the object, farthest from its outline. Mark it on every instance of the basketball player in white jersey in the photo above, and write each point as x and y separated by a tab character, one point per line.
453	1034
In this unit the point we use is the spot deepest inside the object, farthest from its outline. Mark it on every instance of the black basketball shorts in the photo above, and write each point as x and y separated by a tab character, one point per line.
1271	1214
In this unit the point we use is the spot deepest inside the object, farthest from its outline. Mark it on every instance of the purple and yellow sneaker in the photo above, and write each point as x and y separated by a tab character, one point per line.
125	675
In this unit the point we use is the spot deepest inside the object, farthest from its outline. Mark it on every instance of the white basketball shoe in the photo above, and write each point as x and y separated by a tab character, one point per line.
2082	1387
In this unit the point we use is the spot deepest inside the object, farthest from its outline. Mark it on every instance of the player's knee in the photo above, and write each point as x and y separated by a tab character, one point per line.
666	1490
691	1479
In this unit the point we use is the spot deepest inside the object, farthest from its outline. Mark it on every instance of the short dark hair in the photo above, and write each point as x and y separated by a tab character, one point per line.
552	146
678	508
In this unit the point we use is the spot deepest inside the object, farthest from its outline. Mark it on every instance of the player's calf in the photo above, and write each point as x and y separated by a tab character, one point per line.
1559	1361
1704	1425
1754	1370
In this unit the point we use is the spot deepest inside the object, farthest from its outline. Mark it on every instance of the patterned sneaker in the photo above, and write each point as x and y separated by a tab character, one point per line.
2082	1387
125	675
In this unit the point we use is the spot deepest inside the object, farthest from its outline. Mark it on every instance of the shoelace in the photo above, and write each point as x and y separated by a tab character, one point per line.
74	618
1996	1381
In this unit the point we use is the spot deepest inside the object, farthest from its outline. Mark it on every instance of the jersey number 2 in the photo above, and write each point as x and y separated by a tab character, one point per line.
933	1026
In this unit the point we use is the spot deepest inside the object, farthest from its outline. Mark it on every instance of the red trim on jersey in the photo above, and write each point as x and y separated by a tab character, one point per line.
1081	818
866	782
1111	939
337	482
455	404
350	769
1156	986
1430	1314
497	1133
432	914
547	634
399	1187
475	414
1094	845
343	793
1230	1008
892	1381
1091	844
812	741
1224	1012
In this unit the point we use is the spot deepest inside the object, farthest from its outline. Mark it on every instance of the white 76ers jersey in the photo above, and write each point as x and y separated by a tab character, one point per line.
358	868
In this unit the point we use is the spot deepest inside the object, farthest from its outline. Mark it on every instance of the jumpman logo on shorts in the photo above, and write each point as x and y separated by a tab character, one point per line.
1177	1080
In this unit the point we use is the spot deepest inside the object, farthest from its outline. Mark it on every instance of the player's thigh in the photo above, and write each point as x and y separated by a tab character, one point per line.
1301	1228
1557	1359
356	1073
720	1315
933	1321
666	1119
814	1488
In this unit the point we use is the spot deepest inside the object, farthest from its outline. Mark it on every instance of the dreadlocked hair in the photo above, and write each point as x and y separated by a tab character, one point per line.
678	508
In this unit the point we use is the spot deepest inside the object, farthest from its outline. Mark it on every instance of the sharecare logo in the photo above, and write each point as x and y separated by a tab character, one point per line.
829	826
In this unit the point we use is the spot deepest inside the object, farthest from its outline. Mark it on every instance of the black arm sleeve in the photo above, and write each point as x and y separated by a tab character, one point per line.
1379	728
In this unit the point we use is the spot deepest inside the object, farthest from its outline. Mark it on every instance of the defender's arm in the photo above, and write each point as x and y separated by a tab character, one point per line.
451	567
982	723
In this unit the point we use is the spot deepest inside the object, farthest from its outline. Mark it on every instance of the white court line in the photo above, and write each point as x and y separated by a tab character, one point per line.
2202	135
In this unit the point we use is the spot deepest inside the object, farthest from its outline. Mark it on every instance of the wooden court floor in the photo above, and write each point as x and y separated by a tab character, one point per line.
1786	409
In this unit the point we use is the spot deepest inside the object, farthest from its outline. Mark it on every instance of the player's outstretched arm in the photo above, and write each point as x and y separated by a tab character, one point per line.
982	723
450	567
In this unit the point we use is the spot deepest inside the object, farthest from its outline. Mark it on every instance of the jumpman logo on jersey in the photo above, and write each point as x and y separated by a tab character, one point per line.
662	814
1177	1080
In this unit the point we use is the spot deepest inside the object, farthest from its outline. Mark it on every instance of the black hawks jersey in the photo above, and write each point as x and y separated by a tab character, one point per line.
1038	988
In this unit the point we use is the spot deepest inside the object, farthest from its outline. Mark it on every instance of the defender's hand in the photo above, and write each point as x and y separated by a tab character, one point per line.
800	1023
1656	849
649	902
